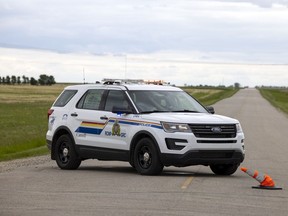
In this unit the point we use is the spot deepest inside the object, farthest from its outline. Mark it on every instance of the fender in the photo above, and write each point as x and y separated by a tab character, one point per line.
58	132
139	135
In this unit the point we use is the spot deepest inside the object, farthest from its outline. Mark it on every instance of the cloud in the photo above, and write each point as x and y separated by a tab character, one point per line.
260	3
207	41
176	67
142	26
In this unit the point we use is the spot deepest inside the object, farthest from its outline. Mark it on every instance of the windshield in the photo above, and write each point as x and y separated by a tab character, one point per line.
165	101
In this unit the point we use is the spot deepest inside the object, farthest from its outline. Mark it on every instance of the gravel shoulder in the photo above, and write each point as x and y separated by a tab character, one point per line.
7	166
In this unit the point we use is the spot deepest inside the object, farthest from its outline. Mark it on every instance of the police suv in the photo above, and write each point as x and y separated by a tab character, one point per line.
149	126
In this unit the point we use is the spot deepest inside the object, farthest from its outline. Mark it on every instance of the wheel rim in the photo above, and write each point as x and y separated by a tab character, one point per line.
63	153
144	157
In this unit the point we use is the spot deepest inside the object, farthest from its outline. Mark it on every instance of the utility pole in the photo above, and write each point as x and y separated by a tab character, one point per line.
125	66
83	75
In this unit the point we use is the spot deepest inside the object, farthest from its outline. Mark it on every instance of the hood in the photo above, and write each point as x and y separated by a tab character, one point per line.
190	118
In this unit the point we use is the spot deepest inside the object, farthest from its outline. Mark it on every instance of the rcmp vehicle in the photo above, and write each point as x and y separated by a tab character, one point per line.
149	126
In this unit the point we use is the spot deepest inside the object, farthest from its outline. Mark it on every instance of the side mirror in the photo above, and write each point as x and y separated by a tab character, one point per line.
210	109
121	110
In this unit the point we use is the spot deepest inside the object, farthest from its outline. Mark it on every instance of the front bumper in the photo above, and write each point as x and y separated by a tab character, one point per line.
203	157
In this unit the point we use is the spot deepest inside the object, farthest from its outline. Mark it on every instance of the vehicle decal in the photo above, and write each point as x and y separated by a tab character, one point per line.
116	129
64	117
97	127
91	127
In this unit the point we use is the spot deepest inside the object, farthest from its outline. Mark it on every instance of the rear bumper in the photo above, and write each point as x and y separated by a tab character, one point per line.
203	157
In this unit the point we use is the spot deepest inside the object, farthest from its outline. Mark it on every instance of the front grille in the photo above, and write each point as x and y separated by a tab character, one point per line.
213	130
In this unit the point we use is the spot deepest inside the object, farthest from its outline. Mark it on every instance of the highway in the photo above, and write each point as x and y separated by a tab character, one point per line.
114	188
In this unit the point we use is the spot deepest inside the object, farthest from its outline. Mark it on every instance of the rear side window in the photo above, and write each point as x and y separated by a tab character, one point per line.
91	100
64	98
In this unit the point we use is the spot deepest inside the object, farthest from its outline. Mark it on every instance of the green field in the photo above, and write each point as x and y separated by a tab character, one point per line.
277	97
23	118
209	96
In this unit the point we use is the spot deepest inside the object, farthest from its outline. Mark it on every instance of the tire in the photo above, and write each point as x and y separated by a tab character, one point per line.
224	169
66	156
132	164
146	158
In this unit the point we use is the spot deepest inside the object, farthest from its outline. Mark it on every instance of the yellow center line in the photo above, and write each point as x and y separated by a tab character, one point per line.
186	183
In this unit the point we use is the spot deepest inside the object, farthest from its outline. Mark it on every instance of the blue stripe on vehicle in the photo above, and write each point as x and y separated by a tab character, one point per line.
89	130
129	123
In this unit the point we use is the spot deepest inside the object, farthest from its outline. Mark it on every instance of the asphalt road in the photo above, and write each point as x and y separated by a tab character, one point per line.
114	188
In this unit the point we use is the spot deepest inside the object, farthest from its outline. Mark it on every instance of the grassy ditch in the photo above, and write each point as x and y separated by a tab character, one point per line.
209	96
23	119
278	97
23	116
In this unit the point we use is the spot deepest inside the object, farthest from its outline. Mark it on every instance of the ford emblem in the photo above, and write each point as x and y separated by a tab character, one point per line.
216	129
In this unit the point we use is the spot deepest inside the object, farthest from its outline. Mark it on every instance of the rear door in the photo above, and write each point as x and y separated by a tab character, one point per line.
95	125
86	119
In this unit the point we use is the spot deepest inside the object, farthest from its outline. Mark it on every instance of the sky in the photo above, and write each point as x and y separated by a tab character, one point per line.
184	42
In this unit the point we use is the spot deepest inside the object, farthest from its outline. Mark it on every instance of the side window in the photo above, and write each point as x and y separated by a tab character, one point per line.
115	98
91	100
64	98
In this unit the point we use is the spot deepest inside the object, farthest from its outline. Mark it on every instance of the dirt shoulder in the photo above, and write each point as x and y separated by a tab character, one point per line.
7	166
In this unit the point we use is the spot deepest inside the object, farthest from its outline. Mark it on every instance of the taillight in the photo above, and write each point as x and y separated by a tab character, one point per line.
50	111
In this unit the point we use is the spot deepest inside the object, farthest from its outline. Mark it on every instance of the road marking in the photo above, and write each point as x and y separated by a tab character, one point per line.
186	183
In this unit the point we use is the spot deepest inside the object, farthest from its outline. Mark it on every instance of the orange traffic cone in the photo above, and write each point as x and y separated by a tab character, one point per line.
266	182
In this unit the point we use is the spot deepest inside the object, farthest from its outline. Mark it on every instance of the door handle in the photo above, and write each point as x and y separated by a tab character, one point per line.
104	118
74	114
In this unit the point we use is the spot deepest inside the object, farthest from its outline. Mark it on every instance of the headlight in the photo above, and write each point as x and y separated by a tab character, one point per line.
238	128
175	127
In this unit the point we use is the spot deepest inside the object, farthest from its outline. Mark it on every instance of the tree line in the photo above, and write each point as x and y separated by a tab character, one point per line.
17	80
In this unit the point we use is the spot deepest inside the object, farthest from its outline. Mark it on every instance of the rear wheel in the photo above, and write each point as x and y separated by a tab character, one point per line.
66	156
224	169
146	158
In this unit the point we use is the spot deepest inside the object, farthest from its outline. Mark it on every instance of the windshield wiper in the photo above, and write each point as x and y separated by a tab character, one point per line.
160	111
185	110
153	111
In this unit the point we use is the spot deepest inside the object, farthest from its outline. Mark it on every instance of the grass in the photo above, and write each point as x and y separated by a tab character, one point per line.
209	96
23	117
277	97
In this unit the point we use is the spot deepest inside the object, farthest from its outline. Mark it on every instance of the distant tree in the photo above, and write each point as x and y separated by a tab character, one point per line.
8	80
51	80
18	80
0	80
46	80
27	80
33	81
13	80
24	79
237	85
3	80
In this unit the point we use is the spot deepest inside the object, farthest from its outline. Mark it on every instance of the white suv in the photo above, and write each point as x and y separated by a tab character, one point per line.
148	126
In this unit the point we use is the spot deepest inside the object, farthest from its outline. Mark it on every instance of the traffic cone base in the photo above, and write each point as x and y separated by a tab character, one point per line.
266	182
266	187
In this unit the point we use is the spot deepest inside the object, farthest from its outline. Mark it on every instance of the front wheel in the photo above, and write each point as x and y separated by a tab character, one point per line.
146	158
66	156
224	169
